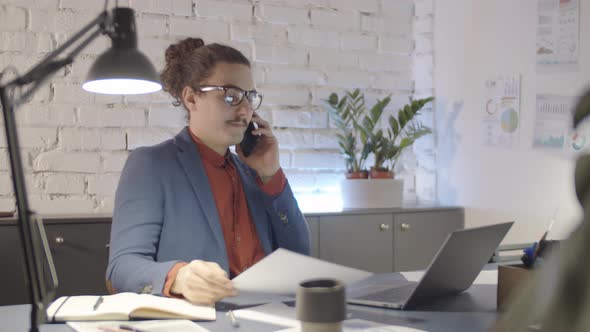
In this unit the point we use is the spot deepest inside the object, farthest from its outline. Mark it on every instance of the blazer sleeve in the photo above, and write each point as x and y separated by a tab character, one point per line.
287	222
137	222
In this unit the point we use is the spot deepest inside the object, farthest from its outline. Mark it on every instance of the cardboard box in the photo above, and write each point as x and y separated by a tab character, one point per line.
509	278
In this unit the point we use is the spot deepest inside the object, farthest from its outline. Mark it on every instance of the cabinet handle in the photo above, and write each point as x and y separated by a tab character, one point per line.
405	226
59	240
383	227
108	245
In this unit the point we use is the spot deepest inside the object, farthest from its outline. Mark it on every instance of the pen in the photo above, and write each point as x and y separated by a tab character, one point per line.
536	251
97	303
232	318
129	328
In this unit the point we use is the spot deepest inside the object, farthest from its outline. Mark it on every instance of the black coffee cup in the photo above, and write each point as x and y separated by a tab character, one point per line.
321	305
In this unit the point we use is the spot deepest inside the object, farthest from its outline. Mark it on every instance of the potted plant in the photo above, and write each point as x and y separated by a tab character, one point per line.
360	135
346	113
403	130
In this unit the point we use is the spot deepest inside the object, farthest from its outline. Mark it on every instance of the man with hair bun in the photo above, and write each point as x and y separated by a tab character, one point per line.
190	215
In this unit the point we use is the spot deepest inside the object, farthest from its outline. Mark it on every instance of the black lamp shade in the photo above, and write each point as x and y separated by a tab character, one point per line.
122	71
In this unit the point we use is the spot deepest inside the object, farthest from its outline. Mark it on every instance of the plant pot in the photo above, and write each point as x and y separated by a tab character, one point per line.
380	174
357	175
371	193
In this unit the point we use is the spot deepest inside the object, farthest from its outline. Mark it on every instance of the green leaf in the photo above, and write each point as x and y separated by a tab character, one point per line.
394	125
401	115
405	142
379	134
333	99
409	113
342	103
368	125
377	109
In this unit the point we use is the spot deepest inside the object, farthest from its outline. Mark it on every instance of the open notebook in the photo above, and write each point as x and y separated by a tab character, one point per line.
125	306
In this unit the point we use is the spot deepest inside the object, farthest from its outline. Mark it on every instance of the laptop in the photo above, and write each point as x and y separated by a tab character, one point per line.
452	270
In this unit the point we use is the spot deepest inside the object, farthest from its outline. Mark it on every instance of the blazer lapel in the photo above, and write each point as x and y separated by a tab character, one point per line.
189	158
256	204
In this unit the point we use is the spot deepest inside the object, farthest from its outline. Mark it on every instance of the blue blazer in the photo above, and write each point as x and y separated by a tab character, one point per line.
165	212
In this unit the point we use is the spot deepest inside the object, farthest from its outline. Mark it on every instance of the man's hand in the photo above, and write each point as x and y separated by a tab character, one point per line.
265	156
202	282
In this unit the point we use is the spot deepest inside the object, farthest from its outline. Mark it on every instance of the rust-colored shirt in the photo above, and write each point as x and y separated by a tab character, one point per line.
241	239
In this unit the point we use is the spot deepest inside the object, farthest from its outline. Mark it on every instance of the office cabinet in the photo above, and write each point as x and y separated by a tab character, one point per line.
79	250
386	240
376	240
12	286
417	236
360	241
80	254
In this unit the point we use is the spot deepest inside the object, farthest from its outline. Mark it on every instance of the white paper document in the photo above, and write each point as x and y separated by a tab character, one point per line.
272	313
283	270
554	130
177	325
501	111
358	325
558	32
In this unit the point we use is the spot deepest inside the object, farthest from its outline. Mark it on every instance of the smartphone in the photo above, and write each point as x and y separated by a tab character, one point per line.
250	140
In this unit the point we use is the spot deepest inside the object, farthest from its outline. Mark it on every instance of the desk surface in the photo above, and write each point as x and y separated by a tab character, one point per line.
473	310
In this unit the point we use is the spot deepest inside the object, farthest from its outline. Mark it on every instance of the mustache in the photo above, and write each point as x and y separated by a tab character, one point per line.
239	120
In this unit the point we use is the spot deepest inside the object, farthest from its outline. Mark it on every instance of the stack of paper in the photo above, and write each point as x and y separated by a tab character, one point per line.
283	270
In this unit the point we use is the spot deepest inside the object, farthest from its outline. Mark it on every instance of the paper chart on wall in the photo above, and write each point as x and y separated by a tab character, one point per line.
553	125
557	32
501	111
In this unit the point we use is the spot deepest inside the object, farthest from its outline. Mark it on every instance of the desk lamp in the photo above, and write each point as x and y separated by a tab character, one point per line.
120	70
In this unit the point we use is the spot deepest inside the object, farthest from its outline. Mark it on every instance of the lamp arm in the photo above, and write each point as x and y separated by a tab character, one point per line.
30	247
48	65
54	66
34	242
42	71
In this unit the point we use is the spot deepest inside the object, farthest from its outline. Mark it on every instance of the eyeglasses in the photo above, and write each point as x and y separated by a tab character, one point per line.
235	95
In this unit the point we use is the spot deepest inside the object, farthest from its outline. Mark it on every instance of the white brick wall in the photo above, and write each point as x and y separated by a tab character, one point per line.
5	184
65	184
424	171
220	9
307	36
207	29
328	58
279	76
75	143
75	162
12	18
318	159
4	163
103	184
7	203
264	33
282	55
114	162
364	6
359	42
335	18
282	14
395	45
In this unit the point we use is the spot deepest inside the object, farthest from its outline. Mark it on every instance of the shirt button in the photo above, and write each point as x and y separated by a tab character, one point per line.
283	218
147	289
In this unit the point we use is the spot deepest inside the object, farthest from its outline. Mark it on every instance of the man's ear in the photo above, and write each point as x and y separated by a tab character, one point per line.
189	98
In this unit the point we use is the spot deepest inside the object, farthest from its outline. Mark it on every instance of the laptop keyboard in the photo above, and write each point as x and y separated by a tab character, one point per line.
398	294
